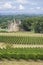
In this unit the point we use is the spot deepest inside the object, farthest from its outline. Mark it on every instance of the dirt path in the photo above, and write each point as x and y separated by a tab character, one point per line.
21	34
21	62
25	46
3	45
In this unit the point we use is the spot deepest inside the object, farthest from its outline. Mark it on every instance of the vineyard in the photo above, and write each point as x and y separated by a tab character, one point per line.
22	53
10	52
21	39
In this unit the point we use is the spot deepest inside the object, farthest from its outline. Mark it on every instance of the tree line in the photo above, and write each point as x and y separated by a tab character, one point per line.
33	24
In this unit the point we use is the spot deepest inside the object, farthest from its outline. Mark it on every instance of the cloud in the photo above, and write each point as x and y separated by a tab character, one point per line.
31	8
21	7
13	7
33	3
0	7
26	2
38	8
22	1
7	5
42	9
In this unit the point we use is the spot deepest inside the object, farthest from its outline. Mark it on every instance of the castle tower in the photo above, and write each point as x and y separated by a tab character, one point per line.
14	25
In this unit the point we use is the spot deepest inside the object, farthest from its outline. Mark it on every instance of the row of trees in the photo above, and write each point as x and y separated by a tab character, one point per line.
33	24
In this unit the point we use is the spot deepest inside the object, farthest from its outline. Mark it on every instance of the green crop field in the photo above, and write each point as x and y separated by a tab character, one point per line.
9	52
21	39
22	53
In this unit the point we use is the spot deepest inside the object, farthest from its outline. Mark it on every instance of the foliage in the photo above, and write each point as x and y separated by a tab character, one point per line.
33	23
26	24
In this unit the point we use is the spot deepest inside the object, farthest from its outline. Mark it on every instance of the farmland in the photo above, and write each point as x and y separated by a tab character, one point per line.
21	45
22	53
22	39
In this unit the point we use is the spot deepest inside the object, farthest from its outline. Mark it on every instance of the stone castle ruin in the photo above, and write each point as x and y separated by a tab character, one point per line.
14	25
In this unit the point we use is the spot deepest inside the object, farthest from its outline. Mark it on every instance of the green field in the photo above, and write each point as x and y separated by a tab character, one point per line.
21	53
21	39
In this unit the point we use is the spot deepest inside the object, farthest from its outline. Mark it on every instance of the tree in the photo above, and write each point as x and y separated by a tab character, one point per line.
26	24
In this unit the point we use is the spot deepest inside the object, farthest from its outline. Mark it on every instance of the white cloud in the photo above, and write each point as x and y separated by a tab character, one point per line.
19	1
0	7
13	7
34	3
21	7
42	9
31	8
7	5
22	1
38	8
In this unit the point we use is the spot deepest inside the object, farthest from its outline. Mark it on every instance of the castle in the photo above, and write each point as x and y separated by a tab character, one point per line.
14	25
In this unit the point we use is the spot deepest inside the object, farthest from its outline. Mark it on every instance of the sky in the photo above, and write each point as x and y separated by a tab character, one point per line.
21	6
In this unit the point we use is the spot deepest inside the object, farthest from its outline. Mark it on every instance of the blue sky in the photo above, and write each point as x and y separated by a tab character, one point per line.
21	6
